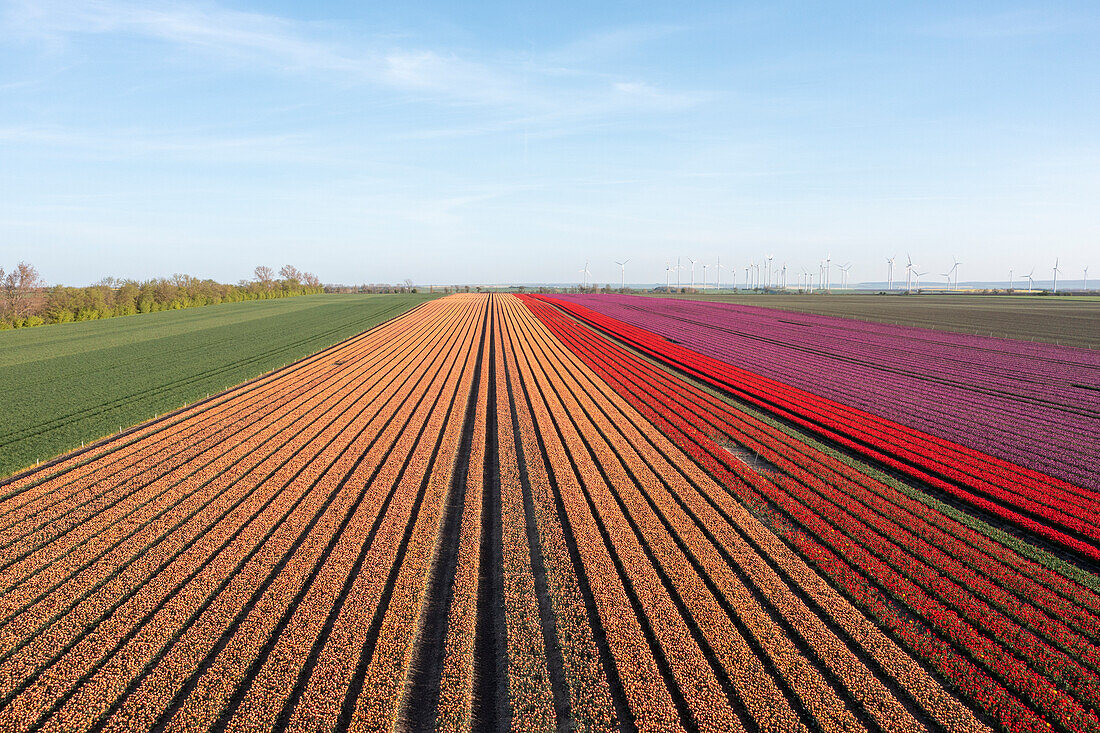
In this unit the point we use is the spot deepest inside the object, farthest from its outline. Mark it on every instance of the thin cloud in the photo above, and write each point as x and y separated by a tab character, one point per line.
288	46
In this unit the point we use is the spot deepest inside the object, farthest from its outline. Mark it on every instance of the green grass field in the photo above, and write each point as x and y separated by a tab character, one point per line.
60	385
1065	320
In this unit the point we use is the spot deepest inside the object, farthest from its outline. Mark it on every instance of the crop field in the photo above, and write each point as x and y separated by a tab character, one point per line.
542	513
73	383
1062	320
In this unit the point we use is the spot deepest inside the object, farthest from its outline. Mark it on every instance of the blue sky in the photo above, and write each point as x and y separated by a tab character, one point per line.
512	141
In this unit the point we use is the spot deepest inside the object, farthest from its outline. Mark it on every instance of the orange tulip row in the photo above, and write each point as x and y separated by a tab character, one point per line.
30	490
130	577
589	696
279	507
456	686
366	603
530	692
373	478
89	563
376	706
87	497
646	646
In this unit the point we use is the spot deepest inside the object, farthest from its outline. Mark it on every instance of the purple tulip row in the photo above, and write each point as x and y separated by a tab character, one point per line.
1035	404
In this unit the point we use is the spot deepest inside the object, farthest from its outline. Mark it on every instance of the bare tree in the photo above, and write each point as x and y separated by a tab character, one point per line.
311	280
290	272
264	274
18	286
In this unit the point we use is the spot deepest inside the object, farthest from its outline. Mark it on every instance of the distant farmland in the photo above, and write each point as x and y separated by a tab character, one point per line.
538	513
77	382
1065	320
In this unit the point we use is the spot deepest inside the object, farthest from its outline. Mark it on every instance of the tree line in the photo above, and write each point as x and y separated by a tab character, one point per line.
26	300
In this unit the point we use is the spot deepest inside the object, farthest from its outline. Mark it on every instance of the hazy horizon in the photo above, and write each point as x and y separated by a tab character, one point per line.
511	143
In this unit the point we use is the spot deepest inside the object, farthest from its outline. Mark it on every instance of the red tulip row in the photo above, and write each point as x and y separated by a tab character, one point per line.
797	502
715	541
1048	507
1056	595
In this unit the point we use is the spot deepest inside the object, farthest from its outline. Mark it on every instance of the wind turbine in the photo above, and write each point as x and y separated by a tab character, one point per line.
955	269
668	274
1055	275
1086	278
908	274
844	275
678	268
1011	280
890	272
692	272
917	275
947	276
1030	282
705	266
584	273
622	266
828	271
769	273
718	274
748	283
784	271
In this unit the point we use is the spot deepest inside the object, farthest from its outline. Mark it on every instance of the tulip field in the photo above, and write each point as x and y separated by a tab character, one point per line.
592	513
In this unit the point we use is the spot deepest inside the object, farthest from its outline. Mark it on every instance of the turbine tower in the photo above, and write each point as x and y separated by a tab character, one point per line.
584	274
668	275
955	269
1011	280
1086	278
1030	282
622	266
844	275
828	272
692	272
908	274
890	272
768	273
705	266
1055	275
917	275
718	274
